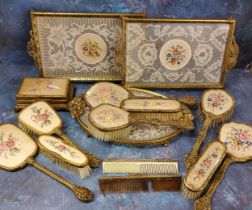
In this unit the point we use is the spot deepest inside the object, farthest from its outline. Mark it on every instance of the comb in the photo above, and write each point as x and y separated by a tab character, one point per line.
140	166
139	183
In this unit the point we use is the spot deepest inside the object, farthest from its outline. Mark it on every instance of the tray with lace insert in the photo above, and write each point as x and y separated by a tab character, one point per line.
142	133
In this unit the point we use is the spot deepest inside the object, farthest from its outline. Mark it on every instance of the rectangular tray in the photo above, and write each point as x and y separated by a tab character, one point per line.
178	53
78	46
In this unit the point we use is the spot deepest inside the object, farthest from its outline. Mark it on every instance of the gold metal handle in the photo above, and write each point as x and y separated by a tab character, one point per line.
31	47
93	160
233	55
77	106
81	193
204	202
188	100
192	157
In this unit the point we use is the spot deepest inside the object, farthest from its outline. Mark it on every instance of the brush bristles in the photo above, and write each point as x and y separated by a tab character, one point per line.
27	130
188	193
222	119
201	115
122	186
83	172
109	135
215	121
163	117
139	167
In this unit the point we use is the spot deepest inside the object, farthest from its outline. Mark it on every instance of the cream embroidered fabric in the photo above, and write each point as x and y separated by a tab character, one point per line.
69	154
77	47
42	86
201	172
90	48
217	102
105	93
175	47
175	53
238	139
151	105
15	147
40	117
108	117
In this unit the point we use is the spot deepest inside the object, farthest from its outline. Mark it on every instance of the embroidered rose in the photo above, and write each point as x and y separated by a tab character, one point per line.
61	148
239	139
8	146
205	165
1	148
243	136
43	118
91	48
10	143
216	101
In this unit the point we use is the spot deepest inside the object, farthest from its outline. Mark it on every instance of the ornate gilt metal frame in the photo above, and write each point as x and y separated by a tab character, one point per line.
229	60
77	108
33	46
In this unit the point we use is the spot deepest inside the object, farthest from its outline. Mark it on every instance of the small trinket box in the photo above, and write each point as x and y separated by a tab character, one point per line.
57	92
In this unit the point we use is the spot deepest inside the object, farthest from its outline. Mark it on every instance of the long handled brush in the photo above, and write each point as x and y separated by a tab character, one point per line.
108	122
40	119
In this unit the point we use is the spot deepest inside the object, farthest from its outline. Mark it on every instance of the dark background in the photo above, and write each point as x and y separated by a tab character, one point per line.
15	20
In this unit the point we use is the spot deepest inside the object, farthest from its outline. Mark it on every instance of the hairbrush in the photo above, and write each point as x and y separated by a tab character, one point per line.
110	93
18	150
105	93
150	109
139	183
40	118
64	155
238	139
140	166
216	107
108	122
197	178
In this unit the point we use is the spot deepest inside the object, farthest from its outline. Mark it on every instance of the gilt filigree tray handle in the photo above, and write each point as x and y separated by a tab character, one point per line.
31	47
77	106
232	58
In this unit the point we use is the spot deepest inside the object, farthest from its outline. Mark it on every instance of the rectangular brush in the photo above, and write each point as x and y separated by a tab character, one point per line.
140	166
139	183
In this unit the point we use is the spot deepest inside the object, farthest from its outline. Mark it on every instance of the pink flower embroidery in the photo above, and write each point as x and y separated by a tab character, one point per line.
61	148
42	117
1	148
10	143
242	135
8	146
